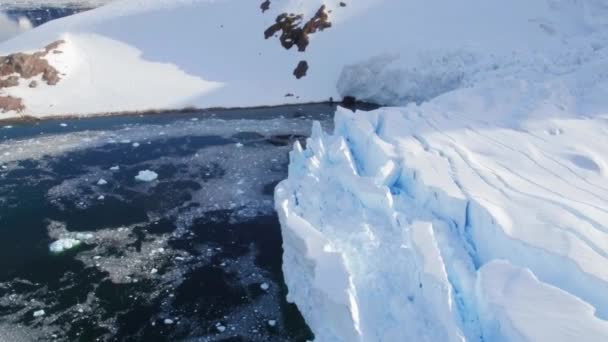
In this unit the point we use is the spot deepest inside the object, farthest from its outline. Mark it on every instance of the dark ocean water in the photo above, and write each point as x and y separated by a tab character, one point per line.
40	15
192	256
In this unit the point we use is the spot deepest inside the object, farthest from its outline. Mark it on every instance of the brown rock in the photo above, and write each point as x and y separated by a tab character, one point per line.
9	103
292	30
301	69
53	45
31	65
265	6
11	81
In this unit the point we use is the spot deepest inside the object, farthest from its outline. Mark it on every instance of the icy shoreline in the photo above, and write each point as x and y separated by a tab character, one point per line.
376	249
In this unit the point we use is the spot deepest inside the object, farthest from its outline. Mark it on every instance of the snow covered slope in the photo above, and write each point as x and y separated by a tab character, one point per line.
479	214
137	55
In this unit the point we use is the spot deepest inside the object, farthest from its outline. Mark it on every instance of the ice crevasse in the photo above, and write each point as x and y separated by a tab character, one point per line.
475	211
421	223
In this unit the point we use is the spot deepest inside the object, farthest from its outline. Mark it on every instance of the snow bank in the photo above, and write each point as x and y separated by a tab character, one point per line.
526	309
479	214
204	53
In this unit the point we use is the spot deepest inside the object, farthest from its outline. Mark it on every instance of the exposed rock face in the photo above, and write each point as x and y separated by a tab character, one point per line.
292	30
17	66
9	103
31	65
265	6
301	69
11	81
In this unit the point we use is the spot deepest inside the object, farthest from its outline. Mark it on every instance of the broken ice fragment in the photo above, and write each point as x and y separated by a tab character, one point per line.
39	313
62	245
272	322
265	286
115	168
146	176
102	182
168	321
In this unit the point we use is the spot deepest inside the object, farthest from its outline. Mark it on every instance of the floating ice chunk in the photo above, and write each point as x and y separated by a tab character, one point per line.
265	286
102	182
63	245
272	322
154	271
168	321
239	145
84	236
39	313
63	125
115	168
101	197
146	176
135	144
8	127
220	327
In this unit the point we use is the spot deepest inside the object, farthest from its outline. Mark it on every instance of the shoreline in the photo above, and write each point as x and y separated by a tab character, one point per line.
29	119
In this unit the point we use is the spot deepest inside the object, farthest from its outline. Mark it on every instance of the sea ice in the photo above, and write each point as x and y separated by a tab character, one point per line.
146	176
62	245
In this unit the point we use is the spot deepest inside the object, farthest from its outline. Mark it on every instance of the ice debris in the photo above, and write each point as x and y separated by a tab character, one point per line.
146	176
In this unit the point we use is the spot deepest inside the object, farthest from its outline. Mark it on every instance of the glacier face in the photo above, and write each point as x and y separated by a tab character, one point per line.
389	235
479	215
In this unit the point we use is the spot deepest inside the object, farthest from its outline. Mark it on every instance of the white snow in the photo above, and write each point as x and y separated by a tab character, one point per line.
187	62
26	4
146	176
478	209
63	245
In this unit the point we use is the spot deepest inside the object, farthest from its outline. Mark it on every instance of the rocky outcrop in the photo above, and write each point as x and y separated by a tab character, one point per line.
295	33
9	103
23	66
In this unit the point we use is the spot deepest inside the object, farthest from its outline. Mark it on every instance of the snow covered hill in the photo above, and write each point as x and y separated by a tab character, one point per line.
133	55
